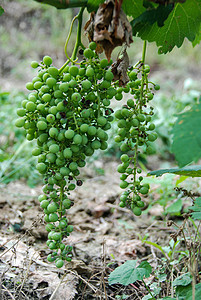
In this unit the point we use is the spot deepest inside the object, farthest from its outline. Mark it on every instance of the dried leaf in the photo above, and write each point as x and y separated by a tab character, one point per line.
108	28
119	68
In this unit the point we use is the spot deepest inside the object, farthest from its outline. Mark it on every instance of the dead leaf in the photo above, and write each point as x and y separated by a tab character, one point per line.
119	68
109	28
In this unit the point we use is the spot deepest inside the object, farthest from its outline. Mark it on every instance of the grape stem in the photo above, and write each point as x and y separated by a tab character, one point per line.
143	73
79	30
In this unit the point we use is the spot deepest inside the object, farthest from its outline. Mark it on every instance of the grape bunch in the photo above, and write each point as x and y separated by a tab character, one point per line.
68	113
135	131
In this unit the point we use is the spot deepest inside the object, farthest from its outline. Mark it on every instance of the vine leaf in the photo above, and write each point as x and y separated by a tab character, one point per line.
1	10
158	14
133	8
129	273
191	171
92	5
197	39
183	22
196	209
187	136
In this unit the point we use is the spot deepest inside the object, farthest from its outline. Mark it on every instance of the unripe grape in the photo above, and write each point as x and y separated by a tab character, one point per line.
73	166
103	63
54	72
20	122
41	125
69	228
88	53
50	118
34	64
51	82
101	121
53	132
123	184
124	158
54	148
92	45
47	60
76	97
64	171
157	87
69	134
66	203
52	207
59	263
41	167
137	211
86	84
53	217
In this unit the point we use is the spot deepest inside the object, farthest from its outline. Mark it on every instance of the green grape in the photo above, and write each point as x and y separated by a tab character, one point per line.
144	190
54	72
137	211
157	87
84	128
109	75
152	137
36	151
92	45
34	64
124	158
59	263
69	134
46	97
76	97
77	139
69	228
51	82
91	130
47	60
29	86
52	207
88	53
50	118
103	63
53	217
64	171
86	84
95	145
101	121
20	122
41	167
66	203
71	187
41	125
64	87
89	72
54	148
123	184
44	204
73	166
67	153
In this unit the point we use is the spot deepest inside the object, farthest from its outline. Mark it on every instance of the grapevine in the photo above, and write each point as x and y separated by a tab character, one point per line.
68	113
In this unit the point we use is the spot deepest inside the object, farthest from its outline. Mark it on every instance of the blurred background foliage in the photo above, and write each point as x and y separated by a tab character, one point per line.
28	31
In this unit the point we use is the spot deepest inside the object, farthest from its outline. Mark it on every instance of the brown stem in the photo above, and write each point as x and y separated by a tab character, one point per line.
61	4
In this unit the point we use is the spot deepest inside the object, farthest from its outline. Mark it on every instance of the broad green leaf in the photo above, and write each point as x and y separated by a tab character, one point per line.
197	39
175	207
183	280
133	8
197	292
150	16
196	209
187	136
191	171
183	22
129	273
92	5
1	10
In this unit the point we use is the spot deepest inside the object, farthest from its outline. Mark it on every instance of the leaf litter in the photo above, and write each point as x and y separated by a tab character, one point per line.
104	237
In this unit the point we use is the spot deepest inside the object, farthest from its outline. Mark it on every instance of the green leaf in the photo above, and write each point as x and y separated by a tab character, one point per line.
1	10
129	273
196	209
197	39
183	22
185	292
133	8
158	14
183	280
187	136
191	171
92	5
175	207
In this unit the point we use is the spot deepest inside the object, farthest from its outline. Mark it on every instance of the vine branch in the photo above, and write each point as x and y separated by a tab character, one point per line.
62	4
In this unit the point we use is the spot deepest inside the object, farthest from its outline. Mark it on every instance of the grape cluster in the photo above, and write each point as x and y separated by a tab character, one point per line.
135	131
67	112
